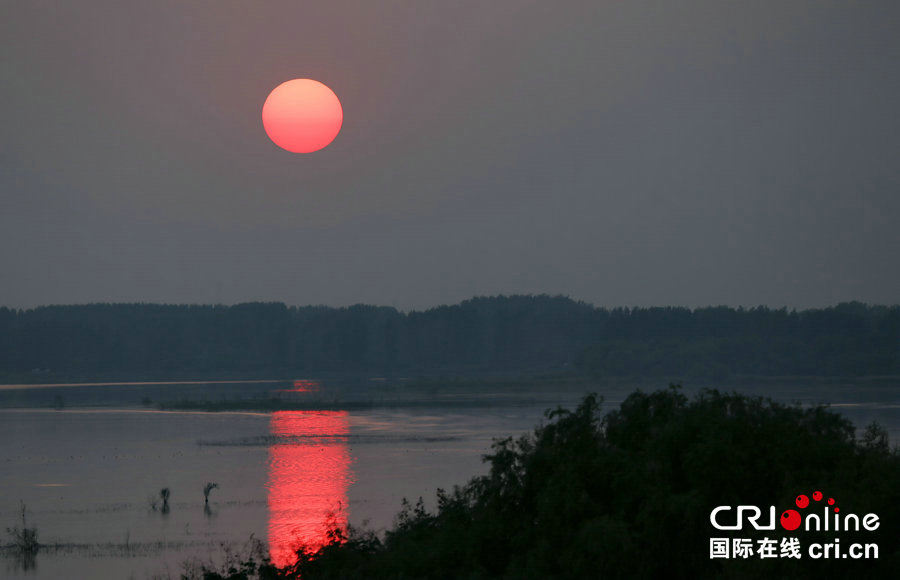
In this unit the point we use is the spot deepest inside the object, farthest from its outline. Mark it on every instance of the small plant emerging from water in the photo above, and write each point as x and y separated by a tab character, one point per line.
24	540
164	495
207	489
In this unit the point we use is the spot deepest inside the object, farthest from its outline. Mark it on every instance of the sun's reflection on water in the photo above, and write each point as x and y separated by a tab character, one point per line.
309	473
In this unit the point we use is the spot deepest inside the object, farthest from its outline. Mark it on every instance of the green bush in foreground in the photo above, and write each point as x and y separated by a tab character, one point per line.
629	495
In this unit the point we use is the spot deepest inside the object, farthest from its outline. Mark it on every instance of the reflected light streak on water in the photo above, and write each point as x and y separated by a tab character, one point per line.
303	386
309	473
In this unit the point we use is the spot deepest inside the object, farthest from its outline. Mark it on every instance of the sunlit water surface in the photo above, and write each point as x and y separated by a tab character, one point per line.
90	478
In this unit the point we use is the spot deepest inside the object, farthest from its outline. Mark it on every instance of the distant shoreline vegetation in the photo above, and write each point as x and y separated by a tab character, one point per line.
503	335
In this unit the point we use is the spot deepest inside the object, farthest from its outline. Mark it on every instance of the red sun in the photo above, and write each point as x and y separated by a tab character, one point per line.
302	115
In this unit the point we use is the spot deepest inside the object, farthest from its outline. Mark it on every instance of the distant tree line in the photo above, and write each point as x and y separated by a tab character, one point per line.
483	335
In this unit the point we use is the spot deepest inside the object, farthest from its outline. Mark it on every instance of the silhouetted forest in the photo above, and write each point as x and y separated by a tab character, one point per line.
482	335
629	495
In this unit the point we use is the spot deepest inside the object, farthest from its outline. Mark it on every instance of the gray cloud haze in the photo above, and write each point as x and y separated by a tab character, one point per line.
623	153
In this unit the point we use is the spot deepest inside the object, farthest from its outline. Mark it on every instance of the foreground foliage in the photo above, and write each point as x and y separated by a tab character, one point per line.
628	495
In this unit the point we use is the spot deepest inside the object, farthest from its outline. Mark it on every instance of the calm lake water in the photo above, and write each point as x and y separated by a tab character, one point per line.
90	475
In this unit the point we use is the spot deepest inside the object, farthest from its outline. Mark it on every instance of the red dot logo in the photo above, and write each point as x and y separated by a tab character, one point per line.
817	495
830	501
802	501
790	520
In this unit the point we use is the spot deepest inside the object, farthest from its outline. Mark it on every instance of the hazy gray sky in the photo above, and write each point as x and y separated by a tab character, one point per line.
624	153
